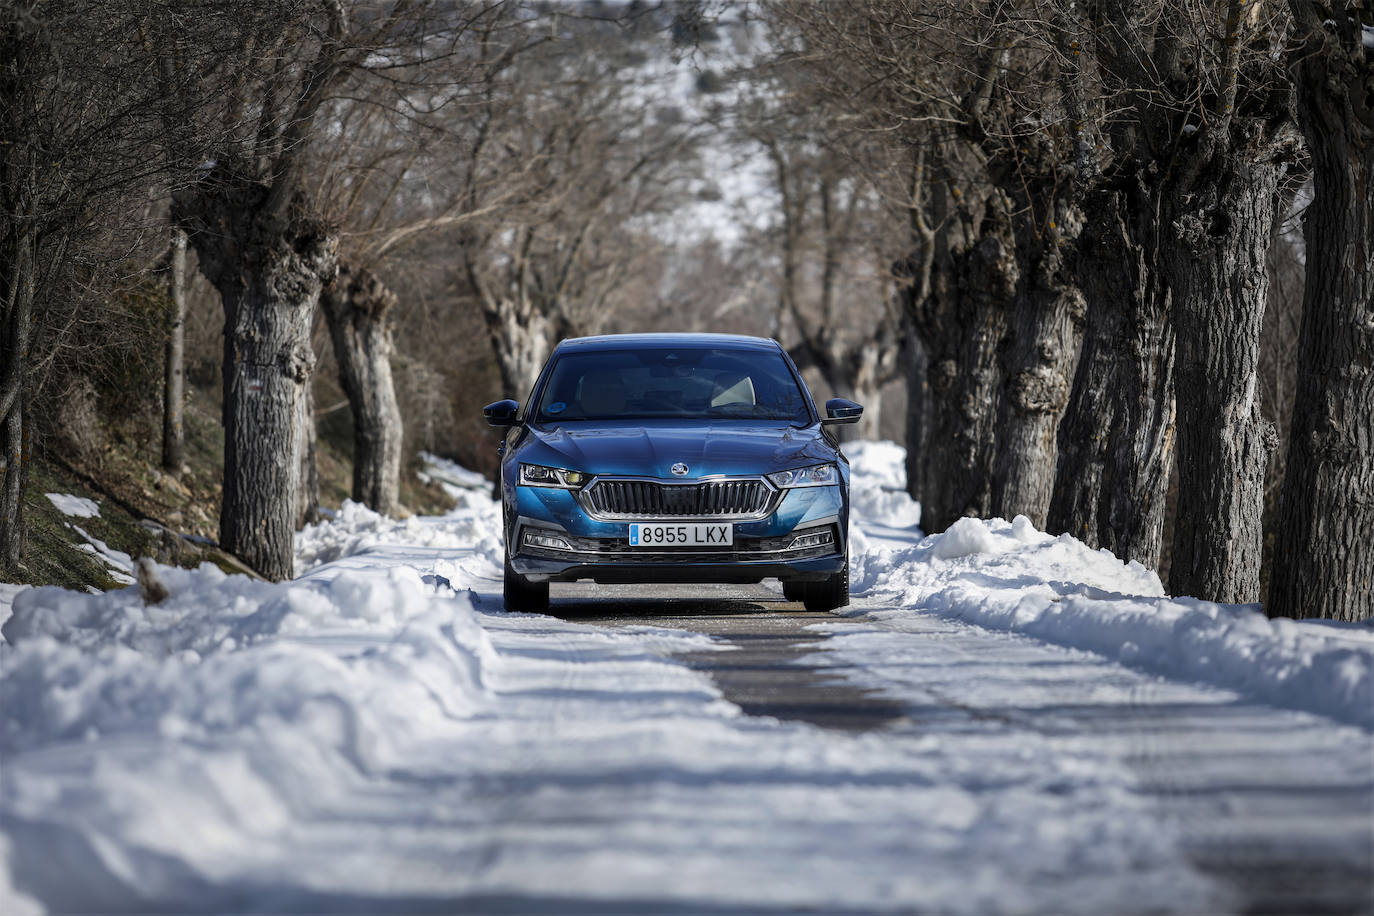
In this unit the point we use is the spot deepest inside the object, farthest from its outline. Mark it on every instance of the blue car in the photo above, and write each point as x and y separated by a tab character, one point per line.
651	458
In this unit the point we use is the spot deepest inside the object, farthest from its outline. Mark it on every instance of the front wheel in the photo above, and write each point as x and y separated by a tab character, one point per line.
523	595
794	591
831	594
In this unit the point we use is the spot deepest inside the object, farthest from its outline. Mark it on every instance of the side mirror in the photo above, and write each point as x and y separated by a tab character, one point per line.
839	411
502	413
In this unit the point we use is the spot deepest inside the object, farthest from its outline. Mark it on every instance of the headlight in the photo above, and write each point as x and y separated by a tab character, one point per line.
536	475
818	475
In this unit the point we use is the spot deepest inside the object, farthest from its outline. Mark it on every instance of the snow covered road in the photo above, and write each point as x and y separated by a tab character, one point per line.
1276	807
379	735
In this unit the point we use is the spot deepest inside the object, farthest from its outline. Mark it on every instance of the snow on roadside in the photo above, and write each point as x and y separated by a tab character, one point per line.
877	486
119	566
217	656
7	593
453	477
152	750
1010	576
377	734
74	506
356	529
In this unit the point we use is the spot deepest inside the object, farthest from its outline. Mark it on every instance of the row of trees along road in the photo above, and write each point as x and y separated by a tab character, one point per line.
300	150
1091	192
1050	219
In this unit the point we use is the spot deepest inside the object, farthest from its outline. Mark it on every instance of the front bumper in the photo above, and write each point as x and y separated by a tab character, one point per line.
539	569
600	551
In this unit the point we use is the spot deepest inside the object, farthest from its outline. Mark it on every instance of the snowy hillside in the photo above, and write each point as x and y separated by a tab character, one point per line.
379	734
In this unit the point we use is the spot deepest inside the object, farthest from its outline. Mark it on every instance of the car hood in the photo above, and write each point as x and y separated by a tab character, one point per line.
643	449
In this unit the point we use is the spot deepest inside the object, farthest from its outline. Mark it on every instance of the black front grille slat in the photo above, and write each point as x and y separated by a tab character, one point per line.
651	499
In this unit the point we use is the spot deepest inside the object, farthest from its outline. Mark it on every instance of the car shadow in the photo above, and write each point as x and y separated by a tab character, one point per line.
581	601
582	608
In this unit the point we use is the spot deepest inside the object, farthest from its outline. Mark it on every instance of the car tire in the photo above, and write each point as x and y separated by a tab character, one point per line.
794	591
525	596
830	594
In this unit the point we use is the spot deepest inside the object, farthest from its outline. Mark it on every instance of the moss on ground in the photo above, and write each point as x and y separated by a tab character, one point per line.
56	552
141	505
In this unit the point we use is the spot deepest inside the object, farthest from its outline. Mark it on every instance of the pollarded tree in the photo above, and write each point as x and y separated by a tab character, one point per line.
1188	142
1222	205
262	246
358	309
263	243
1324	556
831	285
967	93
398	139
1116	439
571	149
1210	116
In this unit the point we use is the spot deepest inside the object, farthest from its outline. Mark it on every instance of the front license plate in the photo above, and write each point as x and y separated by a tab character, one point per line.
668	535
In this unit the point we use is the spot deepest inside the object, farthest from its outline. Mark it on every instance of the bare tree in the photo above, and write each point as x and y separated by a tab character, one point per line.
377	185
580	132
358	307
78	117
264	244
967	93
832	281
174	362
1116	440
1324	558
260	244
1213	115
1223	206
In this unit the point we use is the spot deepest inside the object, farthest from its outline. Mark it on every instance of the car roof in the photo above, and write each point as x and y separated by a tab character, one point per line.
637	341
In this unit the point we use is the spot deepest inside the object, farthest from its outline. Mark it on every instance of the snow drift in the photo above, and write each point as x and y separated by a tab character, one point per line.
377	735
1011	576
227	654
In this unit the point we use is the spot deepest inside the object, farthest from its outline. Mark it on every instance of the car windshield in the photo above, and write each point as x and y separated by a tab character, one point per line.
670	383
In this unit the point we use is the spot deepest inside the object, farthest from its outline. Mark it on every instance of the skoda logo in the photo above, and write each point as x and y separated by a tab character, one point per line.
679	469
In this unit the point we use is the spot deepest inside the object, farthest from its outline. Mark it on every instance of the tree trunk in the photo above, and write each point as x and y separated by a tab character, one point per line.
1037	367
174	359
917	411
17	283
269	270
358	309
521	337
858	373
962	327
871	397
1217	271
1324	556
1116	439
305	448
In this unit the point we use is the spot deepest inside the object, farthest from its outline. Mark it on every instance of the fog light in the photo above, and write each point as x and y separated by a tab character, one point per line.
546	539
819	539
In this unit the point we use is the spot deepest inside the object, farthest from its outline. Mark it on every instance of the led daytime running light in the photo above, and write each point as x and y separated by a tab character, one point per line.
818	475
537	475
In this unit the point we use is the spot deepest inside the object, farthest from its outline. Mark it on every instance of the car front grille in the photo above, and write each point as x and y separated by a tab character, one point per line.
651	499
